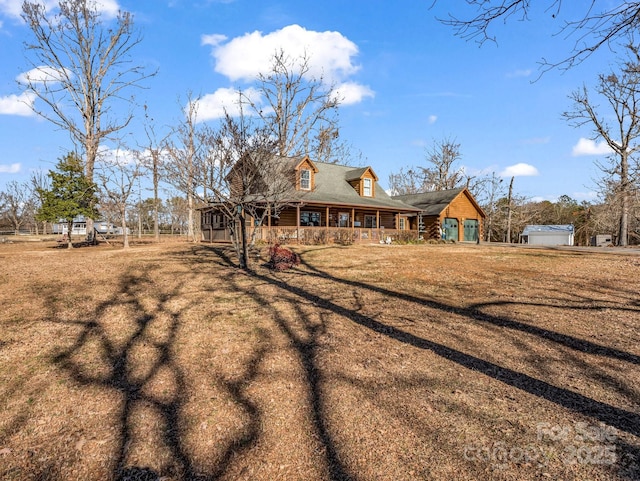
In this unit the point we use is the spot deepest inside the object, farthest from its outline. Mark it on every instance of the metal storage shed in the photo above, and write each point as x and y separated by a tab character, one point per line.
548	235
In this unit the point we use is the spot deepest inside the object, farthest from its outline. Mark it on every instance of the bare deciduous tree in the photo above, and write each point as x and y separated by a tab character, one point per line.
246	178
621	91
81	68
440	174
185	150
39	183
602	24
509	211
488	191
18	203
405	182
300	110
118	177
443	173
152	158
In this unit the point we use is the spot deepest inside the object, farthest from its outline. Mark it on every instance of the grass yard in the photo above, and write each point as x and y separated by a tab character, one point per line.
452	362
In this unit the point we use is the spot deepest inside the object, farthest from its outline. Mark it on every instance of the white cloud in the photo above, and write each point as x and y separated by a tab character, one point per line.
214	39
13	8
213	106
117	156
519	73
349	93
42	75
541	198
519	170
590	196
432	119
330	56
17	104
243	58
590	147
109	8
10	169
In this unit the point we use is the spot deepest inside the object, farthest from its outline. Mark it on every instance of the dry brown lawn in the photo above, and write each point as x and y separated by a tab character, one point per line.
456	362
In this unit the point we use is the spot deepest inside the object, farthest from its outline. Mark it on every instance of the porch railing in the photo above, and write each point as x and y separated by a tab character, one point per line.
332	235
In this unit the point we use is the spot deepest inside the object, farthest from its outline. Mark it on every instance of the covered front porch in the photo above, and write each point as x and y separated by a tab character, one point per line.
312	224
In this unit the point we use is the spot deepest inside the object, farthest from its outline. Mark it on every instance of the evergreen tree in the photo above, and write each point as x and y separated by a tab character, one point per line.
71	194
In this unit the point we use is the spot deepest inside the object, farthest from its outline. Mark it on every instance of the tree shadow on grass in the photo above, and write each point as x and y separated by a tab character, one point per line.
117	355
621	419
115	359
475	313
101	357
305	345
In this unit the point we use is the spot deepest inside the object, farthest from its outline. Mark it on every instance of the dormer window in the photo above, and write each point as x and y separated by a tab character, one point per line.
366	187
305	179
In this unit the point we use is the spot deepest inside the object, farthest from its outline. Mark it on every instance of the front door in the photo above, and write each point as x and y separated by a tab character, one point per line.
343	219
471	230
450	228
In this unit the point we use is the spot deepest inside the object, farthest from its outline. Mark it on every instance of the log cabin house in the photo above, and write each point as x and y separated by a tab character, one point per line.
335	203
450	214
328	203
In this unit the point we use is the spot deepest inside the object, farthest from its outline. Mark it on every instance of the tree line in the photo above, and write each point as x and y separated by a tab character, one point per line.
20	203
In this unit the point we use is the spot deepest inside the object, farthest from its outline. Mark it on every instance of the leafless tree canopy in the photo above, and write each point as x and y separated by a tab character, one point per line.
603	23
18	204
117	179
441	172
185	150
621	93
81	67
245	177
300	110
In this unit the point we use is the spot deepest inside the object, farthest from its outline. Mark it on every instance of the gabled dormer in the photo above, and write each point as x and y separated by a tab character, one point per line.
363	181
305	172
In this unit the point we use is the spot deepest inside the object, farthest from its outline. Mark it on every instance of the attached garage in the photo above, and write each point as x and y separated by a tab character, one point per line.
450	214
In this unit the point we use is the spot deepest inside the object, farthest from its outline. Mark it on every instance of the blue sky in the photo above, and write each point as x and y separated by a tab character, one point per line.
407	80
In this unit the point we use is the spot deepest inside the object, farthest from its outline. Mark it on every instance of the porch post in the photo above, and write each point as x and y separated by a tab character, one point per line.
326	223
298	223
378	223
353	221
268	236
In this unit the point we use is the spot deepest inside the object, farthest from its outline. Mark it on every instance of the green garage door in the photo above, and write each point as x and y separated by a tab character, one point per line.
451	228
471	230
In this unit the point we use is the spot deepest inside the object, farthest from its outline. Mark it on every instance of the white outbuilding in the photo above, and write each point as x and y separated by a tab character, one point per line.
548	235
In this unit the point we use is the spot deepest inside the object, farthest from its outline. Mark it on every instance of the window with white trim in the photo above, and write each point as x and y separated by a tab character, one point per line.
366	188
305	179
402	224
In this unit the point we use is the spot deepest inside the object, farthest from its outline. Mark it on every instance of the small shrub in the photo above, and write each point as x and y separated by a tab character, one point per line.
344	237
281	258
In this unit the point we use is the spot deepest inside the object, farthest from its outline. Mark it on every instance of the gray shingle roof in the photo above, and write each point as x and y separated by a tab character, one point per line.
332	187
566	228
431	203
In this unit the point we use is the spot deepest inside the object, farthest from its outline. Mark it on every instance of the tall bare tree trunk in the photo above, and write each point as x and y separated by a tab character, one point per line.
509	209
623	232
156	180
